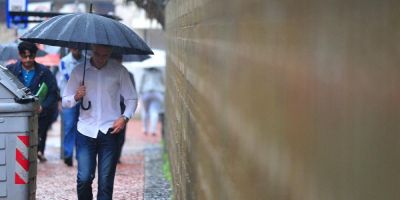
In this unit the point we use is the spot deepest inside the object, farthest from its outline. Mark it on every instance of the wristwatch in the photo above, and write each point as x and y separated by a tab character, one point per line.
126	119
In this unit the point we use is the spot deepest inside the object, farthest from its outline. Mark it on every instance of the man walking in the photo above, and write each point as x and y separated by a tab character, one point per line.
106	80
33	75
69	116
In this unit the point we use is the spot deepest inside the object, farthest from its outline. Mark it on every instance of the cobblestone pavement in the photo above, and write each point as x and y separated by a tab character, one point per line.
156	186
57	181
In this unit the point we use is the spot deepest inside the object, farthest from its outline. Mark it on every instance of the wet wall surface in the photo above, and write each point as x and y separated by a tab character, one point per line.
283	99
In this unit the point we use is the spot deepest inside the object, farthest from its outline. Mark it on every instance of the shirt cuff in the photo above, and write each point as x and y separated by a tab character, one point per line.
130	108
69	101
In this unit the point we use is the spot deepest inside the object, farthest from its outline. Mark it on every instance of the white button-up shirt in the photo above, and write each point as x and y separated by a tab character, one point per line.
103	88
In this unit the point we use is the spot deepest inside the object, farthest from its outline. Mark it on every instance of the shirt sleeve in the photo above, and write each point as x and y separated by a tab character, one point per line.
128	91
68	99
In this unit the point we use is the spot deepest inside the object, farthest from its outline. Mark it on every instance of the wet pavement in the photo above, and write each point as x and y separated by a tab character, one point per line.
139	176
156	186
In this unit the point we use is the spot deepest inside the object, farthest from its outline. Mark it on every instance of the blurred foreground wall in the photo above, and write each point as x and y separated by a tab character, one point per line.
284	99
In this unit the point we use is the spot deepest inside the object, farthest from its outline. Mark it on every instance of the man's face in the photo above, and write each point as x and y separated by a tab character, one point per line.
27	59
101	54
76	53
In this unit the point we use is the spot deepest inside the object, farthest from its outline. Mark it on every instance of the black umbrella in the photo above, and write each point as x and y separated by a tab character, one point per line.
83	29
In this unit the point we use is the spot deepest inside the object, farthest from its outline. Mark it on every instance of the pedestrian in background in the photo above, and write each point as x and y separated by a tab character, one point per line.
69	116
33	75
98	127
152	96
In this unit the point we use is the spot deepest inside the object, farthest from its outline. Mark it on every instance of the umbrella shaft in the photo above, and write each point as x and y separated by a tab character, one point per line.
84	66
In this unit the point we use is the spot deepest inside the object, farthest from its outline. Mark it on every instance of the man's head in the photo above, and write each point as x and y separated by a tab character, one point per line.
27	53
101	54
76	53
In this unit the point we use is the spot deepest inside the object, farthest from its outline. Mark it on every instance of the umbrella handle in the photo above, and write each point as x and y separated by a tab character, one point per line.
88	107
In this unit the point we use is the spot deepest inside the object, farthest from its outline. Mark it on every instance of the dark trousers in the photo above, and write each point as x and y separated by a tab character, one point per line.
121	141
44	125
104	147
121	134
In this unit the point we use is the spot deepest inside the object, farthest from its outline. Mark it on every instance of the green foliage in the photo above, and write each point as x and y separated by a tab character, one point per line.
167	168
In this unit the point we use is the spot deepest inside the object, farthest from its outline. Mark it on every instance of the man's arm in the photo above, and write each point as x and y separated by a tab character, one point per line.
73	91
128	92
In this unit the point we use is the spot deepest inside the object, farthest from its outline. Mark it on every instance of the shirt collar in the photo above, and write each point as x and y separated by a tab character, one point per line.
23	68
89	66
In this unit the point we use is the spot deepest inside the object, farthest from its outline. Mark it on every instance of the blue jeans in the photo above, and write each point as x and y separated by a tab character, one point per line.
105	147
70	119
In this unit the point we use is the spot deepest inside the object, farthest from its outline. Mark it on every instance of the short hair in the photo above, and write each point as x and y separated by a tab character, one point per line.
23	46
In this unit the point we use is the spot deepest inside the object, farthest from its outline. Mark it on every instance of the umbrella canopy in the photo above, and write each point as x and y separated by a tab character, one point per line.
82	29
156	60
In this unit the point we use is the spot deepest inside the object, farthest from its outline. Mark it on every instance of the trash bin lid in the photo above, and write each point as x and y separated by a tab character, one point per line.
9	81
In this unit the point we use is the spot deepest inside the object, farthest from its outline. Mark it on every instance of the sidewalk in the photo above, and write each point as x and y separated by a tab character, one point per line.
133	178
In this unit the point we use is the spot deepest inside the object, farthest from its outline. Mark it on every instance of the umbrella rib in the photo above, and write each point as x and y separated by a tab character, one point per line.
107	34
127	38
86	22
124	33
117	28
71	36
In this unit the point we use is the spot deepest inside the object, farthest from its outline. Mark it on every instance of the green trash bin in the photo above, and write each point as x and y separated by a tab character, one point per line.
18	139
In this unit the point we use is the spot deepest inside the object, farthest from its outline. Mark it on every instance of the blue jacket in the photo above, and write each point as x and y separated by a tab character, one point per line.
42	74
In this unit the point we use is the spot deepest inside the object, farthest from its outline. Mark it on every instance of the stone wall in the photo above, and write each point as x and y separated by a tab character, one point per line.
284	99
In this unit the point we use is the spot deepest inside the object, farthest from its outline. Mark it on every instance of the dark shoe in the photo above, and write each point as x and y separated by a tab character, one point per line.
41	157
68	161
